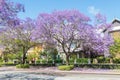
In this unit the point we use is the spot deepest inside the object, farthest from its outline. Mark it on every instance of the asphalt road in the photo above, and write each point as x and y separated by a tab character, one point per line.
89	77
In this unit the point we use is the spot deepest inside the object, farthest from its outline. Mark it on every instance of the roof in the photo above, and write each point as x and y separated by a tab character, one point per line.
115	20
115	27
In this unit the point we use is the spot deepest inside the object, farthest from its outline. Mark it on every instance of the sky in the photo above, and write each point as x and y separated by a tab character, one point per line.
109	8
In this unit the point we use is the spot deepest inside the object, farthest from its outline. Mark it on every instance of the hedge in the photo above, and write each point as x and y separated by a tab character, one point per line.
66	67
42	61
99	66
79	61
22	66
43	65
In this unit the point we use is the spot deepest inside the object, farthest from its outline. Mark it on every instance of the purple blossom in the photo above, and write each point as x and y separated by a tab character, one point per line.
8	11
71	31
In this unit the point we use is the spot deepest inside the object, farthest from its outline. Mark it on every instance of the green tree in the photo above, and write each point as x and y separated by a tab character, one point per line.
115	49
20	37
49	53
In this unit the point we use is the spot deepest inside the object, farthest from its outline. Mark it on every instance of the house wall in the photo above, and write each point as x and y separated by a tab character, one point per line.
116	23
115	29
35	50
115	35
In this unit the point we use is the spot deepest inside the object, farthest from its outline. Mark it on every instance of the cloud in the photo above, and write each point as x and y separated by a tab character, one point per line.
93	10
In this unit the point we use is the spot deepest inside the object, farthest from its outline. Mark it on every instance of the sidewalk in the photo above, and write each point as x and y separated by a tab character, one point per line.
55	70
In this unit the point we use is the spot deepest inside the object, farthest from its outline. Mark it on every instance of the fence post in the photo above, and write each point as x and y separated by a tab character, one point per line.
40	61
75	61
53	61
89	61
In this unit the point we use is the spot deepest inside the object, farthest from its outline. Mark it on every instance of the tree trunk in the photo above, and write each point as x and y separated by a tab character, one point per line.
24	56
67	60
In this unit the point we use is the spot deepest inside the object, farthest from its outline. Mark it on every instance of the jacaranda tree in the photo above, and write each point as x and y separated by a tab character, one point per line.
106	40
8	12
20	37
8	18
71	32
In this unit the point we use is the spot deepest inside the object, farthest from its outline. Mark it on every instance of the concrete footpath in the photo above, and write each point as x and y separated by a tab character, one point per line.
75	74
55	70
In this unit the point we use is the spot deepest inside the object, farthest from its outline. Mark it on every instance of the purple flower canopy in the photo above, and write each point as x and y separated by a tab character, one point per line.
8	12
68	27
61	28
68	30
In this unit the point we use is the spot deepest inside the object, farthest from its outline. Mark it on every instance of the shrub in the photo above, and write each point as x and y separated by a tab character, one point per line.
43	61
50	61
22	66
79	61
107	60
66	67
58	61
8	63
43	65
101	59
1	60
71	61
0	65
116	60
38	61
73	56
82	60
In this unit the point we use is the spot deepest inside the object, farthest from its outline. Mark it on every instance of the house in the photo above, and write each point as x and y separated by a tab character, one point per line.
115	33
115	29
35	49
34	52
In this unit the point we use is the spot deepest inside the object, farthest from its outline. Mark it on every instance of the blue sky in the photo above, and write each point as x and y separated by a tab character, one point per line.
110	8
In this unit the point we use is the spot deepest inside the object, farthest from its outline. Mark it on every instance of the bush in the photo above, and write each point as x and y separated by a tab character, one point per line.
101	59
116	60
1	60
8	63
50	61
43	61
82	60
0	65
38	61
79	61
107	60
58	61
104	60
22	66
66	67
43	65
71	61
